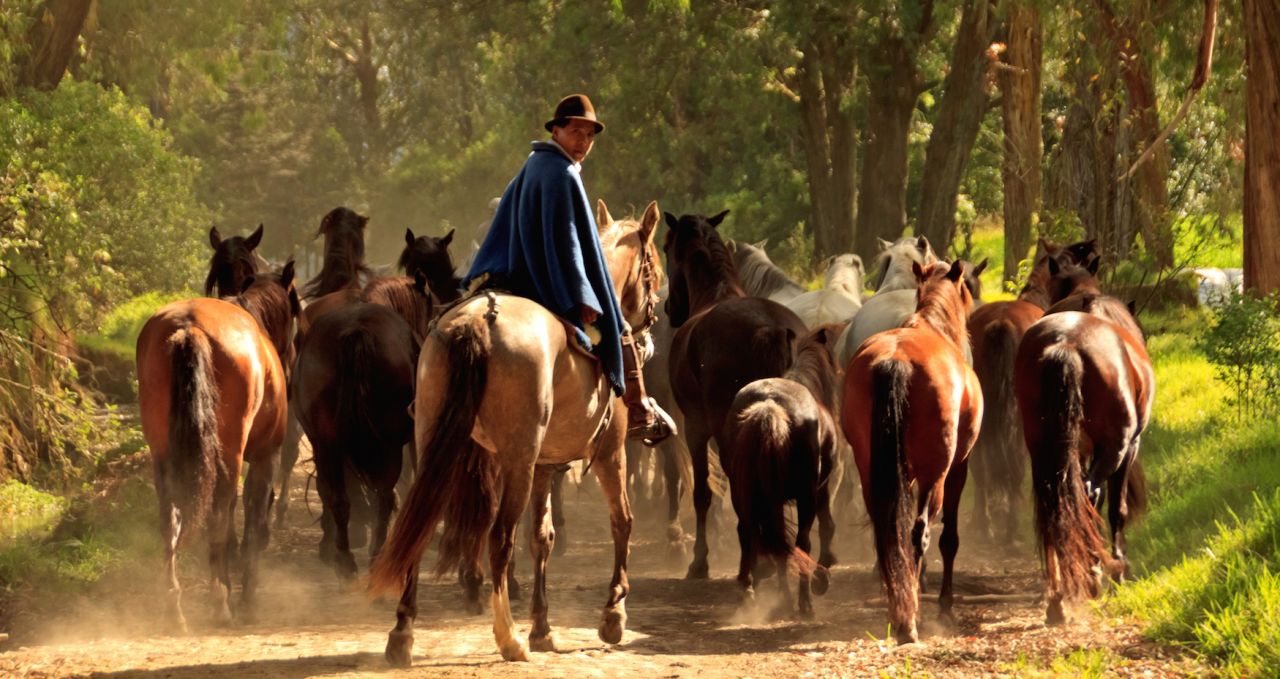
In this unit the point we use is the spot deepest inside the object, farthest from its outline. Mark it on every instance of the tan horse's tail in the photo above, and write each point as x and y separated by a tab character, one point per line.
190	470
457	480
890	506
1066	521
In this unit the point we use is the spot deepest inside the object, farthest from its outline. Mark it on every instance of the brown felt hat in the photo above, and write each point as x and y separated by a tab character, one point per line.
574	107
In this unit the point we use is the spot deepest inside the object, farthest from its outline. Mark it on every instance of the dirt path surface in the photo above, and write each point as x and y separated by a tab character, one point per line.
308	626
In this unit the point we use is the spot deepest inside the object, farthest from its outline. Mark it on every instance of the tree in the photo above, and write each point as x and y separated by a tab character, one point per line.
1262	147
964	101
1023	145
52	39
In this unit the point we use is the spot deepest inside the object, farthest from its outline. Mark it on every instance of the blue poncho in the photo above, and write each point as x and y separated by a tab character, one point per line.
543	244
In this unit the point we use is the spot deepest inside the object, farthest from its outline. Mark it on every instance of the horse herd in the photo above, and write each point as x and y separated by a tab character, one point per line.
480	399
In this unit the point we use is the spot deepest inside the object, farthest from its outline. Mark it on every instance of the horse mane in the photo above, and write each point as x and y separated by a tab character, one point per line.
343	266
845	271
400	294
436	264
272	305
224	263
814	364
887	263
710	262
941	306
758	275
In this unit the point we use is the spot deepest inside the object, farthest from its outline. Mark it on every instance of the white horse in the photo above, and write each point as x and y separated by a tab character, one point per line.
839	298
895	292
760	277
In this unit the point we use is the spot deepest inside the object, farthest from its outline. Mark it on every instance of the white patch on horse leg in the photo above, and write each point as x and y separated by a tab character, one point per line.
504	627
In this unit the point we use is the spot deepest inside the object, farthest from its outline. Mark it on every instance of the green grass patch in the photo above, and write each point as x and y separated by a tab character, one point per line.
25	510
1086	663
119	331
1208	550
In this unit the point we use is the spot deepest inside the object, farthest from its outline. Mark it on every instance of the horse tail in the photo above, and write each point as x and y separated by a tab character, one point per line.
1001	433
357	357
457	480
1066	521
1135	489
760	456
890	493
191	469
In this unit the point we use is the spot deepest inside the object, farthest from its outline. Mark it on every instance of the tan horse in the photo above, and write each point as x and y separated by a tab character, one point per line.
501	398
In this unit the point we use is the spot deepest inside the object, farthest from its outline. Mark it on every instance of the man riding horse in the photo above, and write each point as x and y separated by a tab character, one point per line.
543	244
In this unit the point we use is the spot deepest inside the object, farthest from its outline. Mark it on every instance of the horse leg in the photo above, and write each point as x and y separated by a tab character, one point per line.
220	539
471	577
542	537
747	560
171	532
671	475
399	650
288	458
1054	614
258	493
332	482
920	530
1118	512
949	543
805	514
698	440
611	468
326	552
557	508
502	540
385	495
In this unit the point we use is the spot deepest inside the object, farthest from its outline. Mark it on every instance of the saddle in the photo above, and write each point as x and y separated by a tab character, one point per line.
493	285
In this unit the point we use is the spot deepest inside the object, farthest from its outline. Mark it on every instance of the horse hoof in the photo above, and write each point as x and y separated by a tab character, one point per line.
675	534
805	613
542	644
821	581
615	621
513	589
514	651
561	544
1054	615
698	570
475	607
399	651
905	634
345	565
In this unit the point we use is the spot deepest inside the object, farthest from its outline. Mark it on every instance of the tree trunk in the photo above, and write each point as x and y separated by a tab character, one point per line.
894	84
52	41
1262	146
959	118
1023	143
826	75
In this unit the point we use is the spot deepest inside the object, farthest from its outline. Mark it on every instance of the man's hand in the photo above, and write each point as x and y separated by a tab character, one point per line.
589	315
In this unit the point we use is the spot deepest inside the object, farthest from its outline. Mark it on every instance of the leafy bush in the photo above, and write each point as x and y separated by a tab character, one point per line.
1242	341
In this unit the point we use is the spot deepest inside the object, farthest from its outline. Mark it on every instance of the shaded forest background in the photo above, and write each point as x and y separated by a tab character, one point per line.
129	127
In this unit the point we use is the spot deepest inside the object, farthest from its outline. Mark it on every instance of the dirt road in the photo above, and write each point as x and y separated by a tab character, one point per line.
308	626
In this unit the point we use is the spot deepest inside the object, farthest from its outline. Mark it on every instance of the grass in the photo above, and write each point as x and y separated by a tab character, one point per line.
1209	549
119	331
1084	663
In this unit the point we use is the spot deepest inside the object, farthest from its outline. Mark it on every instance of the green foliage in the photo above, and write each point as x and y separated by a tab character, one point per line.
1242	341
1082	663
24	509
119	330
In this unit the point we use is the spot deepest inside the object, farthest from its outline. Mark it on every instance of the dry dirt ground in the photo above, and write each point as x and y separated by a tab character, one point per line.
308	626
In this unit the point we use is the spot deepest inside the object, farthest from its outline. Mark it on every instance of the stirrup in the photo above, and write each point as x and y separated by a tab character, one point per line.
656	428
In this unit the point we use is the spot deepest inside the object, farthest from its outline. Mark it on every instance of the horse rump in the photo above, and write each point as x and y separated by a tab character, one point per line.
457	479
1066	522
191	469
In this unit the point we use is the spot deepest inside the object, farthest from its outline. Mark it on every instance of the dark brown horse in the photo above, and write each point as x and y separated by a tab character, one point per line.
503	398
233	261
723	341
212	391
1084	385
781	446
343	265
912	407
995	329
351	392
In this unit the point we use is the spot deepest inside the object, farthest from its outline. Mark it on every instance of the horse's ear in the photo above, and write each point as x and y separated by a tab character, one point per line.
648	222
982	266
858	262
922	244
1133	308
408	237
603	218
364	221
286	276
956	272
763	244
1093	264
254	238
215	239
918	270
884	244
672	222
420	282
715	220
1054	266
446	239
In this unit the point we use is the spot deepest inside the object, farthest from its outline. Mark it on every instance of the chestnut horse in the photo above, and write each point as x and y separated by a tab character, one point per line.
1084	385
502	372
233	261
912	407
211	389
782	447
995	329
723	341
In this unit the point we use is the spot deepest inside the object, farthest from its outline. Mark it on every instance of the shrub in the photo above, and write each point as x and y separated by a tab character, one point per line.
1242	341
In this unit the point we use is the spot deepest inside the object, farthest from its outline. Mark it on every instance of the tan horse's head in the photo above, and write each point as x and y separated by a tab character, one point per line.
633	263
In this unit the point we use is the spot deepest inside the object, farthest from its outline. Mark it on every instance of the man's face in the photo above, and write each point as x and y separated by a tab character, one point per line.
576	137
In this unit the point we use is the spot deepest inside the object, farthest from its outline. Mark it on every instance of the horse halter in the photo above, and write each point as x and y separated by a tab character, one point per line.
648	277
